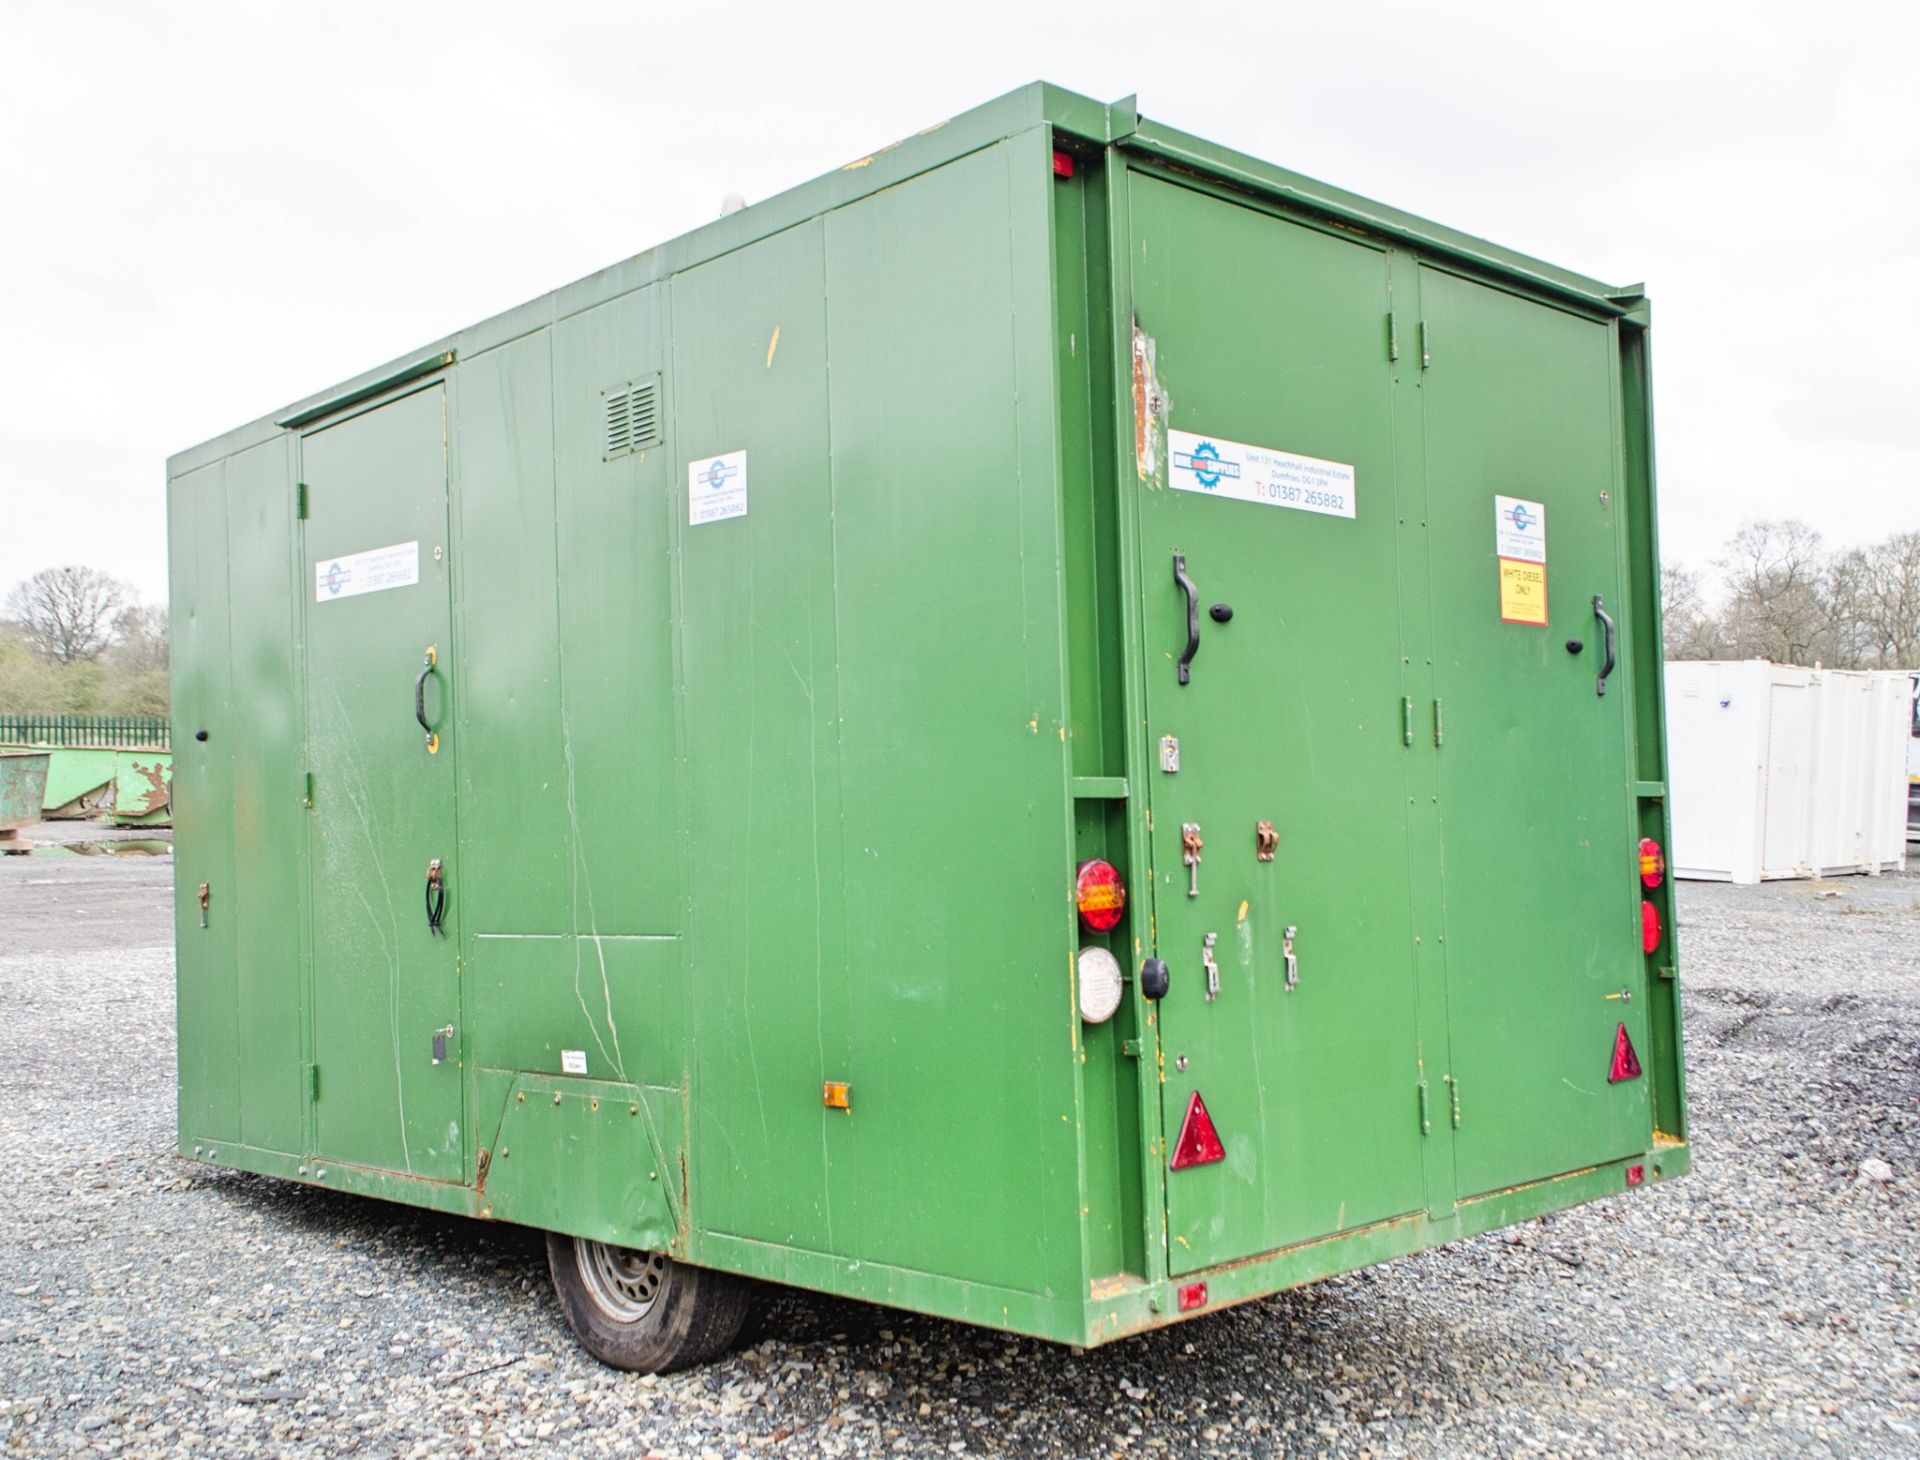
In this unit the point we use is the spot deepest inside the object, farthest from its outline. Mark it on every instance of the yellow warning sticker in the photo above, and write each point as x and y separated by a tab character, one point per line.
1523	592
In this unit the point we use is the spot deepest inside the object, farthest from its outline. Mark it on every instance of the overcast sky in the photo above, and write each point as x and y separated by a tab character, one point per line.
210	210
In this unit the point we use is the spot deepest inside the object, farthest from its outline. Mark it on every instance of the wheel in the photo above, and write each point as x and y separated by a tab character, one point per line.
642	1310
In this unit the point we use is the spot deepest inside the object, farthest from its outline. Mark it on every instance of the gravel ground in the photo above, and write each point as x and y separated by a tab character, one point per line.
1765	1305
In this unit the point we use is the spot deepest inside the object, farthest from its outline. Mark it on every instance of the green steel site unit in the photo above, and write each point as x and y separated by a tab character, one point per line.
1060	727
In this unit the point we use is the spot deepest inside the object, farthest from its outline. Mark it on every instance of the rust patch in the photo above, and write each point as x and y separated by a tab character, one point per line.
1149	406
158	793
480	1172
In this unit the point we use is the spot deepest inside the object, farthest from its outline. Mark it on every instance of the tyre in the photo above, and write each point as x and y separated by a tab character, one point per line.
644	1311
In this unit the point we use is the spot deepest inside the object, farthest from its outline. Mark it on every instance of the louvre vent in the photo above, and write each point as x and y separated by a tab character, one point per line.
633	417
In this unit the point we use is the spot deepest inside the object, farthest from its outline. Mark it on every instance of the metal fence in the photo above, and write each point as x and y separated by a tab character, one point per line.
95	732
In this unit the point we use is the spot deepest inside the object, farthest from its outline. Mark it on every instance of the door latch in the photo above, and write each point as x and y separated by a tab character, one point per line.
1212	965
206	896
1190	845
1287	953
1265	840
1170	754
436	899
440	1038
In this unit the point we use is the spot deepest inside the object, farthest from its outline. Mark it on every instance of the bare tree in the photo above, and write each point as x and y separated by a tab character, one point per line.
139	639
1689	627
67	614
1877	590
1780	600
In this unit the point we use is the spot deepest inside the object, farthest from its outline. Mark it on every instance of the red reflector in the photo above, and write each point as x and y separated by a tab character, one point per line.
1653	862
1626	1064
1636	1175
1193	1295
1199	1142
1062	165
1100	895
1649	927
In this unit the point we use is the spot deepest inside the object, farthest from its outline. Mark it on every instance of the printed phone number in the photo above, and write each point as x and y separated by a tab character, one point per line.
1294	496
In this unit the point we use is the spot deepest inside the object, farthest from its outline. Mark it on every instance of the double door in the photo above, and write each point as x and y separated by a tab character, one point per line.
1390	814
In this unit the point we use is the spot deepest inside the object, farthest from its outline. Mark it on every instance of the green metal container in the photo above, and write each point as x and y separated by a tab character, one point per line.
744	647
23	785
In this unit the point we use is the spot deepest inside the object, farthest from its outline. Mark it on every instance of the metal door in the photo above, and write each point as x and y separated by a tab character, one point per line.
386	994
1542	894
1262	345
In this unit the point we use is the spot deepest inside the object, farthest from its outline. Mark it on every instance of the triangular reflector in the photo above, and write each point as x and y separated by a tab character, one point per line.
1199	1142
1626	1064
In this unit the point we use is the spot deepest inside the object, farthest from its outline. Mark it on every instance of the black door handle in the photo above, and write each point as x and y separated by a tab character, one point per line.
1606	629
1193	614
436	899
420	697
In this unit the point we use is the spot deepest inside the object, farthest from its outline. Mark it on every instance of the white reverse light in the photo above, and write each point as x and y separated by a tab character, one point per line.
1100	985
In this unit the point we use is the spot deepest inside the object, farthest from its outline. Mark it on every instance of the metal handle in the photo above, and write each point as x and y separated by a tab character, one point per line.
1606	627
1193	614
420	697
436	900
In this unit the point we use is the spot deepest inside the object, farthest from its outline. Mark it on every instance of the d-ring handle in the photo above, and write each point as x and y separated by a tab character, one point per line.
1606	629
1193	614
420	698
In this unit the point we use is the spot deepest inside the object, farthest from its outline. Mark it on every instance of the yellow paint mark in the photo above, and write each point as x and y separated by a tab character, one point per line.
1243	911
1183	1241
856	166
772	345
1033	725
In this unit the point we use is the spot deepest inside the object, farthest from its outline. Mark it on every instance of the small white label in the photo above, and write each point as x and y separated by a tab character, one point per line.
1259	474
369	572
1519	529
717	488
573	1061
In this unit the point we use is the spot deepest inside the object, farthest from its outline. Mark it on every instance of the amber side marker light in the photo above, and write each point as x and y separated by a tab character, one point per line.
835	1095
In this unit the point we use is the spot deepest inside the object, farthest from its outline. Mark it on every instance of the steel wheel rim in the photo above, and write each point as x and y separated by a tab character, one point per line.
623	1283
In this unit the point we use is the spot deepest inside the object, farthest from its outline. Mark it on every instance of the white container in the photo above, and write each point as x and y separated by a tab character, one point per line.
1776	771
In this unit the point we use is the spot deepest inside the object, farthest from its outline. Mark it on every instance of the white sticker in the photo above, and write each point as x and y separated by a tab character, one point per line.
717	488
1245	473
369	572
1519	530
573	1061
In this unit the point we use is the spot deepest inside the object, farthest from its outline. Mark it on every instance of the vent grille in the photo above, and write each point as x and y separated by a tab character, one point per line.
632	417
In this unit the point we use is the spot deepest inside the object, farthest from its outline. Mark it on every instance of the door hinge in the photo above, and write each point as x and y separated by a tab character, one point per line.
306	793
1393	335
300	500
1453	1099
1439	725
1406	719
1426	1124
313	1082
1426	346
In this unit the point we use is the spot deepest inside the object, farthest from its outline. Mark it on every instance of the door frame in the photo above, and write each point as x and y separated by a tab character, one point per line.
439	374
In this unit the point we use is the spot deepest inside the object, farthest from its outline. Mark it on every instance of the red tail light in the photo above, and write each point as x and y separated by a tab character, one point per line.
1192	1296
1100	895
1649	927
1653	862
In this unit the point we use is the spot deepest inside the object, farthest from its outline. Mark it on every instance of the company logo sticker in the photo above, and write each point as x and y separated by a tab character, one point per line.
1259	474
717	488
